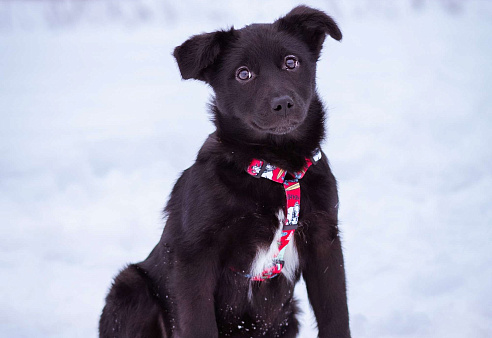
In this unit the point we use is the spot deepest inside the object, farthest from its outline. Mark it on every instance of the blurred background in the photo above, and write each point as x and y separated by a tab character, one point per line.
96	126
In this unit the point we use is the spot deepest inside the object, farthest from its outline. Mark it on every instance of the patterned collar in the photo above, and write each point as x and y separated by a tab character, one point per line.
262	169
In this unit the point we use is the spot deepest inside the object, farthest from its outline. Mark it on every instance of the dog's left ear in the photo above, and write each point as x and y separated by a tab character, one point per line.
197	54
310	25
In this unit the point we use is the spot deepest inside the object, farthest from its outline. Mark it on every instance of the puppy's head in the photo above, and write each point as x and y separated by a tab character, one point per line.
263	75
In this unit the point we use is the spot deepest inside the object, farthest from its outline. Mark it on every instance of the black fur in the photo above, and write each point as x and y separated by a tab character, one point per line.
218	215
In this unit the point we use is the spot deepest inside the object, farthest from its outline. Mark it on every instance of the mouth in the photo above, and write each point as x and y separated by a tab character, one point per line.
283	129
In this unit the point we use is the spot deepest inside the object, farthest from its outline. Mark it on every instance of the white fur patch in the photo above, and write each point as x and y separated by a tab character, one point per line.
264	257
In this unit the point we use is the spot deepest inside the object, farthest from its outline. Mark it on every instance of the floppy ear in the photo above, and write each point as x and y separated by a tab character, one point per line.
200	52
310	25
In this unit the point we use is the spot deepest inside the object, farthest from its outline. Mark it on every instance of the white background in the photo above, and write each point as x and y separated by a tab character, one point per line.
96	126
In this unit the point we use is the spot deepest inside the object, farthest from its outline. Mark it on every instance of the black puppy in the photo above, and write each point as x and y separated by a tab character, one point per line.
238	236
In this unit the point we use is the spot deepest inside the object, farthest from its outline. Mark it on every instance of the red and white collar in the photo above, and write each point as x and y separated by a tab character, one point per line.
262	169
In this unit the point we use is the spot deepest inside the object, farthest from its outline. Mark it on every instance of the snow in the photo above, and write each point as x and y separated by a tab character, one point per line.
97	126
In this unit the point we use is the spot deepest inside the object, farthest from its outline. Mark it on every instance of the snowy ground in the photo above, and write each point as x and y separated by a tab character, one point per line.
96	126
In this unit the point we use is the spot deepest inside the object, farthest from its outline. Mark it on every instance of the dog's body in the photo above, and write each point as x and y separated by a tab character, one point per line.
222	221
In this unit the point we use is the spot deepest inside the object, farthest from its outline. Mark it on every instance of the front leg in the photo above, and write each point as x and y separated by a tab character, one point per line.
324	274
195	279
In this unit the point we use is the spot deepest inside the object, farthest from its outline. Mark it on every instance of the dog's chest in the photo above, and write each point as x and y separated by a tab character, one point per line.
265	254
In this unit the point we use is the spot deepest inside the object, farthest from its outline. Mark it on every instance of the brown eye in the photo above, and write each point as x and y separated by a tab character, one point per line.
243	74
291	62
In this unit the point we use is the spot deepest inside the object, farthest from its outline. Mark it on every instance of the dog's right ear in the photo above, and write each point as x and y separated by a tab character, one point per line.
199	52
310	25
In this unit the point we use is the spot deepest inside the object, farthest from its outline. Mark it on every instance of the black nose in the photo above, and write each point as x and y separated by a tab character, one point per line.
282	104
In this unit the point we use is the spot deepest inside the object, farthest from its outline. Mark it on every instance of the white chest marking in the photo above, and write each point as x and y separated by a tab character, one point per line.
264	256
